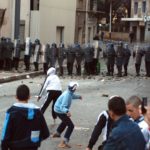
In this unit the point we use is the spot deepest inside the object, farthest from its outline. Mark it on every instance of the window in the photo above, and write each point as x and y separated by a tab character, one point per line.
34	4
144	6
135	7
60	34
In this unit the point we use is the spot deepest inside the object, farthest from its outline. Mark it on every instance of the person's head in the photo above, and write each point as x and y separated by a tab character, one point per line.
132	104
51	71
23	93
73	86
116	107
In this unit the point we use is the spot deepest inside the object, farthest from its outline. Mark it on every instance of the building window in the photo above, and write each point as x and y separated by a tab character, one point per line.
34	4
60	34
144	7
135	7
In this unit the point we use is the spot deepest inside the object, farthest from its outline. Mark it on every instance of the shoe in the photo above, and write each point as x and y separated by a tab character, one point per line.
55	135
63	144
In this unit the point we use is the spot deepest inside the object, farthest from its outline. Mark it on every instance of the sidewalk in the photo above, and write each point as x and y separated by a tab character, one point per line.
8	76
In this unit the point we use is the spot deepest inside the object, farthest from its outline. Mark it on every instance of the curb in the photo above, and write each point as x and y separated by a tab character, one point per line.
20	76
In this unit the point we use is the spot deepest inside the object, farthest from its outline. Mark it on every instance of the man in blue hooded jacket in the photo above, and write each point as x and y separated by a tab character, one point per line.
61	108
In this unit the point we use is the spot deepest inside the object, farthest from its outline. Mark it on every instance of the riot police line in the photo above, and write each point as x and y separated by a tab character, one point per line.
76	55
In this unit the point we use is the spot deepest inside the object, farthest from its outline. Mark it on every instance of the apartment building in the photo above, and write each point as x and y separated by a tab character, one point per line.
86	20
140	20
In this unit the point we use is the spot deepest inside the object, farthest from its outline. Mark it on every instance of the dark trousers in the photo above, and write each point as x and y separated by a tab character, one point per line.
1	64
126	69
61	70
88	68
137	67
147	67
8	64
52	96
15	63
66	121
36	66
70	67
27	62
45	67
110	69
94	70
119	68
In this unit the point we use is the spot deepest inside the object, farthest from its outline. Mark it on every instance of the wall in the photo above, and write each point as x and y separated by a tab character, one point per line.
7	27
57	13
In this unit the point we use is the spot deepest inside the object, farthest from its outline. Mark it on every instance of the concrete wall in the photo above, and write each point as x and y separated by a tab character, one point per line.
25	15
7	27
57	13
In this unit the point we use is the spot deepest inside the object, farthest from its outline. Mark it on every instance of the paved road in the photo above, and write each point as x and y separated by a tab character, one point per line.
85	112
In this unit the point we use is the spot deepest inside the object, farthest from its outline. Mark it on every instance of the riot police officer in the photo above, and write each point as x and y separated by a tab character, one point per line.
16	53
127	54
8	54
88	51
78	57
97	50
138	54
28	53
110	54
36	54
53	55
147	60
61	57
70	59
119	58
44	51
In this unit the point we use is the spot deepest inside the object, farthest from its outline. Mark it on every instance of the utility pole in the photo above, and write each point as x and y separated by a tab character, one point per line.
110	19
17	19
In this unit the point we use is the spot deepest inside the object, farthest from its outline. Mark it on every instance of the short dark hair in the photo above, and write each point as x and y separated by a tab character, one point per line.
117	105
23	92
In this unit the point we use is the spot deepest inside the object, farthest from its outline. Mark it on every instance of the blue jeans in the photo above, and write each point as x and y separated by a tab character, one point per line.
66	121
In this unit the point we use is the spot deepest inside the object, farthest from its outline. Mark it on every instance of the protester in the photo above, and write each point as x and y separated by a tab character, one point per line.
132	104
24	127
103	125
62	109
53	87
124	131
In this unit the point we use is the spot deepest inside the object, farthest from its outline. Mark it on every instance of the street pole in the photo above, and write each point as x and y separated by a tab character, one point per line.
17	19
110	19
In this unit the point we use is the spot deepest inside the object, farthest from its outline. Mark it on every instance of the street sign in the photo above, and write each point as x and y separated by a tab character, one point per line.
146	18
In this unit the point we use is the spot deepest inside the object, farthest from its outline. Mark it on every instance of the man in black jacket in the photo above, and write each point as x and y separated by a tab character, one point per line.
24	126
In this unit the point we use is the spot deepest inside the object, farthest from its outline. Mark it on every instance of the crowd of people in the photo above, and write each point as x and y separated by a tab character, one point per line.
84	58
124	121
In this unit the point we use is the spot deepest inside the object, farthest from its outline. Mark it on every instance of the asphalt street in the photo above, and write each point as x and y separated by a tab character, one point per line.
84	113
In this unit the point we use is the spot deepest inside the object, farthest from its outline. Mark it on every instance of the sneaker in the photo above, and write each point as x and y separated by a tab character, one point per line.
55	135
63	144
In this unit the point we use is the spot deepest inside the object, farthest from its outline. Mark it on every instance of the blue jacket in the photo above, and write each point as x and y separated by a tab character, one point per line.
64	101
125	135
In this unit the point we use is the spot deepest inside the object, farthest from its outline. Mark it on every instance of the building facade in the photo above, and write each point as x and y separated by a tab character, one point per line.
50	21
86	20
140	20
